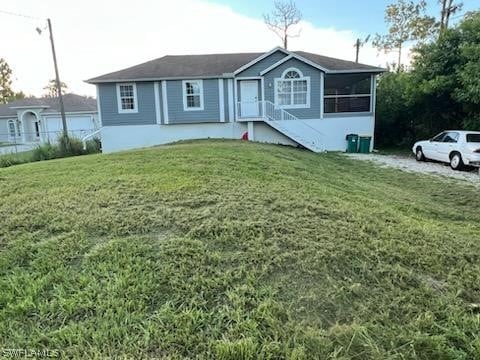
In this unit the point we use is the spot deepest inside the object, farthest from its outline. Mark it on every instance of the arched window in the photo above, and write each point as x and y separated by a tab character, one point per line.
292	74
292	90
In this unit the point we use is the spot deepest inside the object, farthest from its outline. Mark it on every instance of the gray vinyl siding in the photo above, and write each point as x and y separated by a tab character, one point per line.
309	113
109	108
211	106
4	131
255	69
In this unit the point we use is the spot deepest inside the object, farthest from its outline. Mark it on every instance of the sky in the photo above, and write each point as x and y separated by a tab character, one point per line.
94	37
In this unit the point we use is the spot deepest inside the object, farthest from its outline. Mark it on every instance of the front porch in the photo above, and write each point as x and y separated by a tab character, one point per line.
262	110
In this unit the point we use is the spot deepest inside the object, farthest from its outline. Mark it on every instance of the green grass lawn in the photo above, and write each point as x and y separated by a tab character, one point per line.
235	250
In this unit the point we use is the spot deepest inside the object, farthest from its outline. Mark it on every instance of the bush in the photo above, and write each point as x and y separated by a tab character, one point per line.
45	152
70	146
9	160
94	146
66	147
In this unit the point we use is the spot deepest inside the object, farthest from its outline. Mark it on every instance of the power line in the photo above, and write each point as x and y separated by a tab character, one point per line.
20	15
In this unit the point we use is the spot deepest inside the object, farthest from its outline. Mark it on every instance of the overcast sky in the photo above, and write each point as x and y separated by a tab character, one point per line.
94	37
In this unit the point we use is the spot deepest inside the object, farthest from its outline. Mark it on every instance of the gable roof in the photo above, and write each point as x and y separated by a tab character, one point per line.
71	102
337	65
217	65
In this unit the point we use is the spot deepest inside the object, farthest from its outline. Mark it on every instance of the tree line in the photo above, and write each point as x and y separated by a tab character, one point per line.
440	89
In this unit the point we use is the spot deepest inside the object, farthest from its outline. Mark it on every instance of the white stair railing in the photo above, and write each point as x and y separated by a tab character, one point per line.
89	136
309	137
274	114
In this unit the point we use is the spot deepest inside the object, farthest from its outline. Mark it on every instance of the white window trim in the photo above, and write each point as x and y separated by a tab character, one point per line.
135	99
184	95
292	106
16	129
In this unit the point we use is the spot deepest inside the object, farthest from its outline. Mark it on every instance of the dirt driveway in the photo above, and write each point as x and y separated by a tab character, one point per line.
411	165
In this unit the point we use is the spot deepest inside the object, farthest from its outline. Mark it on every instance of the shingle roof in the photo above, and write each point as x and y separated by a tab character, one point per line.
212	65
71	102
336	64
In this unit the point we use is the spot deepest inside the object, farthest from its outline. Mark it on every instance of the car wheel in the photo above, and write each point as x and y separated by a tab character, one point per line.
456	162
419	154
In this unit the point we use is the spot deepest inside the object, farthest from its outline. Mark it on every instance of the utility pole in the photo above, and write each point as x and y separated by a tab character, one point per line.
57	80
358	44
448	8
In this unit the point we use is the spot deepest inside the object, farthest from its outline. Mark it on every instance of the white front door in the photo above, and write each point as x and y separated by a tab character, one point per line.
249	105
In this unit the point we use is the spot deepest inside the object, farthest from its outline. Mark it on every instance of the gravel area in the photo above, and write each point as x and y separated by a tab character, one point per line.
411	165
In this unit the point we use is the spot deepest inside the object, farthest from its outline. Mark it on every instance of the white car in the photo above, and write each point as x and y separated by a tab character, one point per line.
456	147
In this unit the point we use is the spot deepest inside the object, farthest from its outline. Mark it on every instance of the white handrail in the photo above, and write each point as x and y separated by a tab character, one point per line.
263	109
273	113
85	138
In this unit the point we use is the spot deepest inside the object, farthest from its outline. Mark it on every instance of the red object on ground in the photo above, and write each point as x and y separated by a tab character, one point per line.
245	136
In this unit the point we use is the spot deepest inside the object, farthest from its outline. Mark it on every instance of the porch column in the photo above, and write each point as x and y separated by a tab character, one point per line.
23	127
322	93
251	135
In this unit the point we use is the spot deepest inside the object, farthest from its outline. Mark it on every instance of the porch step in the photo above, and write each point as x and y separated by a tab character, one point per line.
300	132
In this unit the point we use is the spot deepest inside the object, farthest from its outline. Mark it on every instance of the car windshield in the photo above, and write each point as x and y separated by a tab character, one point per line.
475	138
439	137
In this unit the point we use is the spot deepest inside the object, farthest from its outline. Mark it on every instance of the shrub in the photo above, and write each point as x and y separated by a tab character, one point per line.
69	146
44	152
66	147
94	146
9	160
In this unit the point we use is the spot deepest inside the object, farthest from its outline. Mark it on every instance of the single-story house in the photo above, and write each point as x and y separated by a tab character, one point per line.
35	120
281	96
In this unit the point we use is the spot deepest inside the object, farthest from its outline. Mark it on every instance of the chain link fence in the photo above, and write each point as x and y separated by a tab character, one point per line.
11	143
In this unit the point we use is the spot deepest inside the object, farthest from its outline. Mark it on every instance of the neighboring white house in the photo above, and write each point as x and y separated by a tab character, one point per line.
281	96
36	120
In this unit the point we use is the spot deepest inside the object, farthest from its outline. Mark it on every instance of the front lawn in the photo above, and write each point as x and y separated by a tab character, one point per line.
236	250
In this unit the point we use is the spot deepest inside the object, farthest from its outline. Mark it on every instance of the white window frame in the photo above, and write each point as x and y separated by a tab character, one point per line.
301	78
184	95
135	99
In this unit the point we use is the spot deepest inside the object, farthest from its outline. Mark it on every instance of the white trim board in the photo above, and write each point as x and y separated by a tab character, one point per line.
156	88
165	102
261	57
221	100
293	56
231	104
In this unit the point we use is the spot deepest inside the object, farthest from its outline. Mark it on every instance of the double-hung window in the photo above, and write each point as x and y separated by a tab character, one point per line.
292	90
13	129
127	98
192	95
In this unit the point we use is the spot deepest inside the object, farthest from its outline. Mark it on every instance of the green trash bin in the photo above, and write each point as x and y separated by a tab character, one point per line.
364	144
352	143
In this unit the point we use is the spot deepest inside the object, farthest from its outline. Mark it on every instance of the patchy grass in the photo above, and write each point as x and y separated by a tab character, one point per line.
234	250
